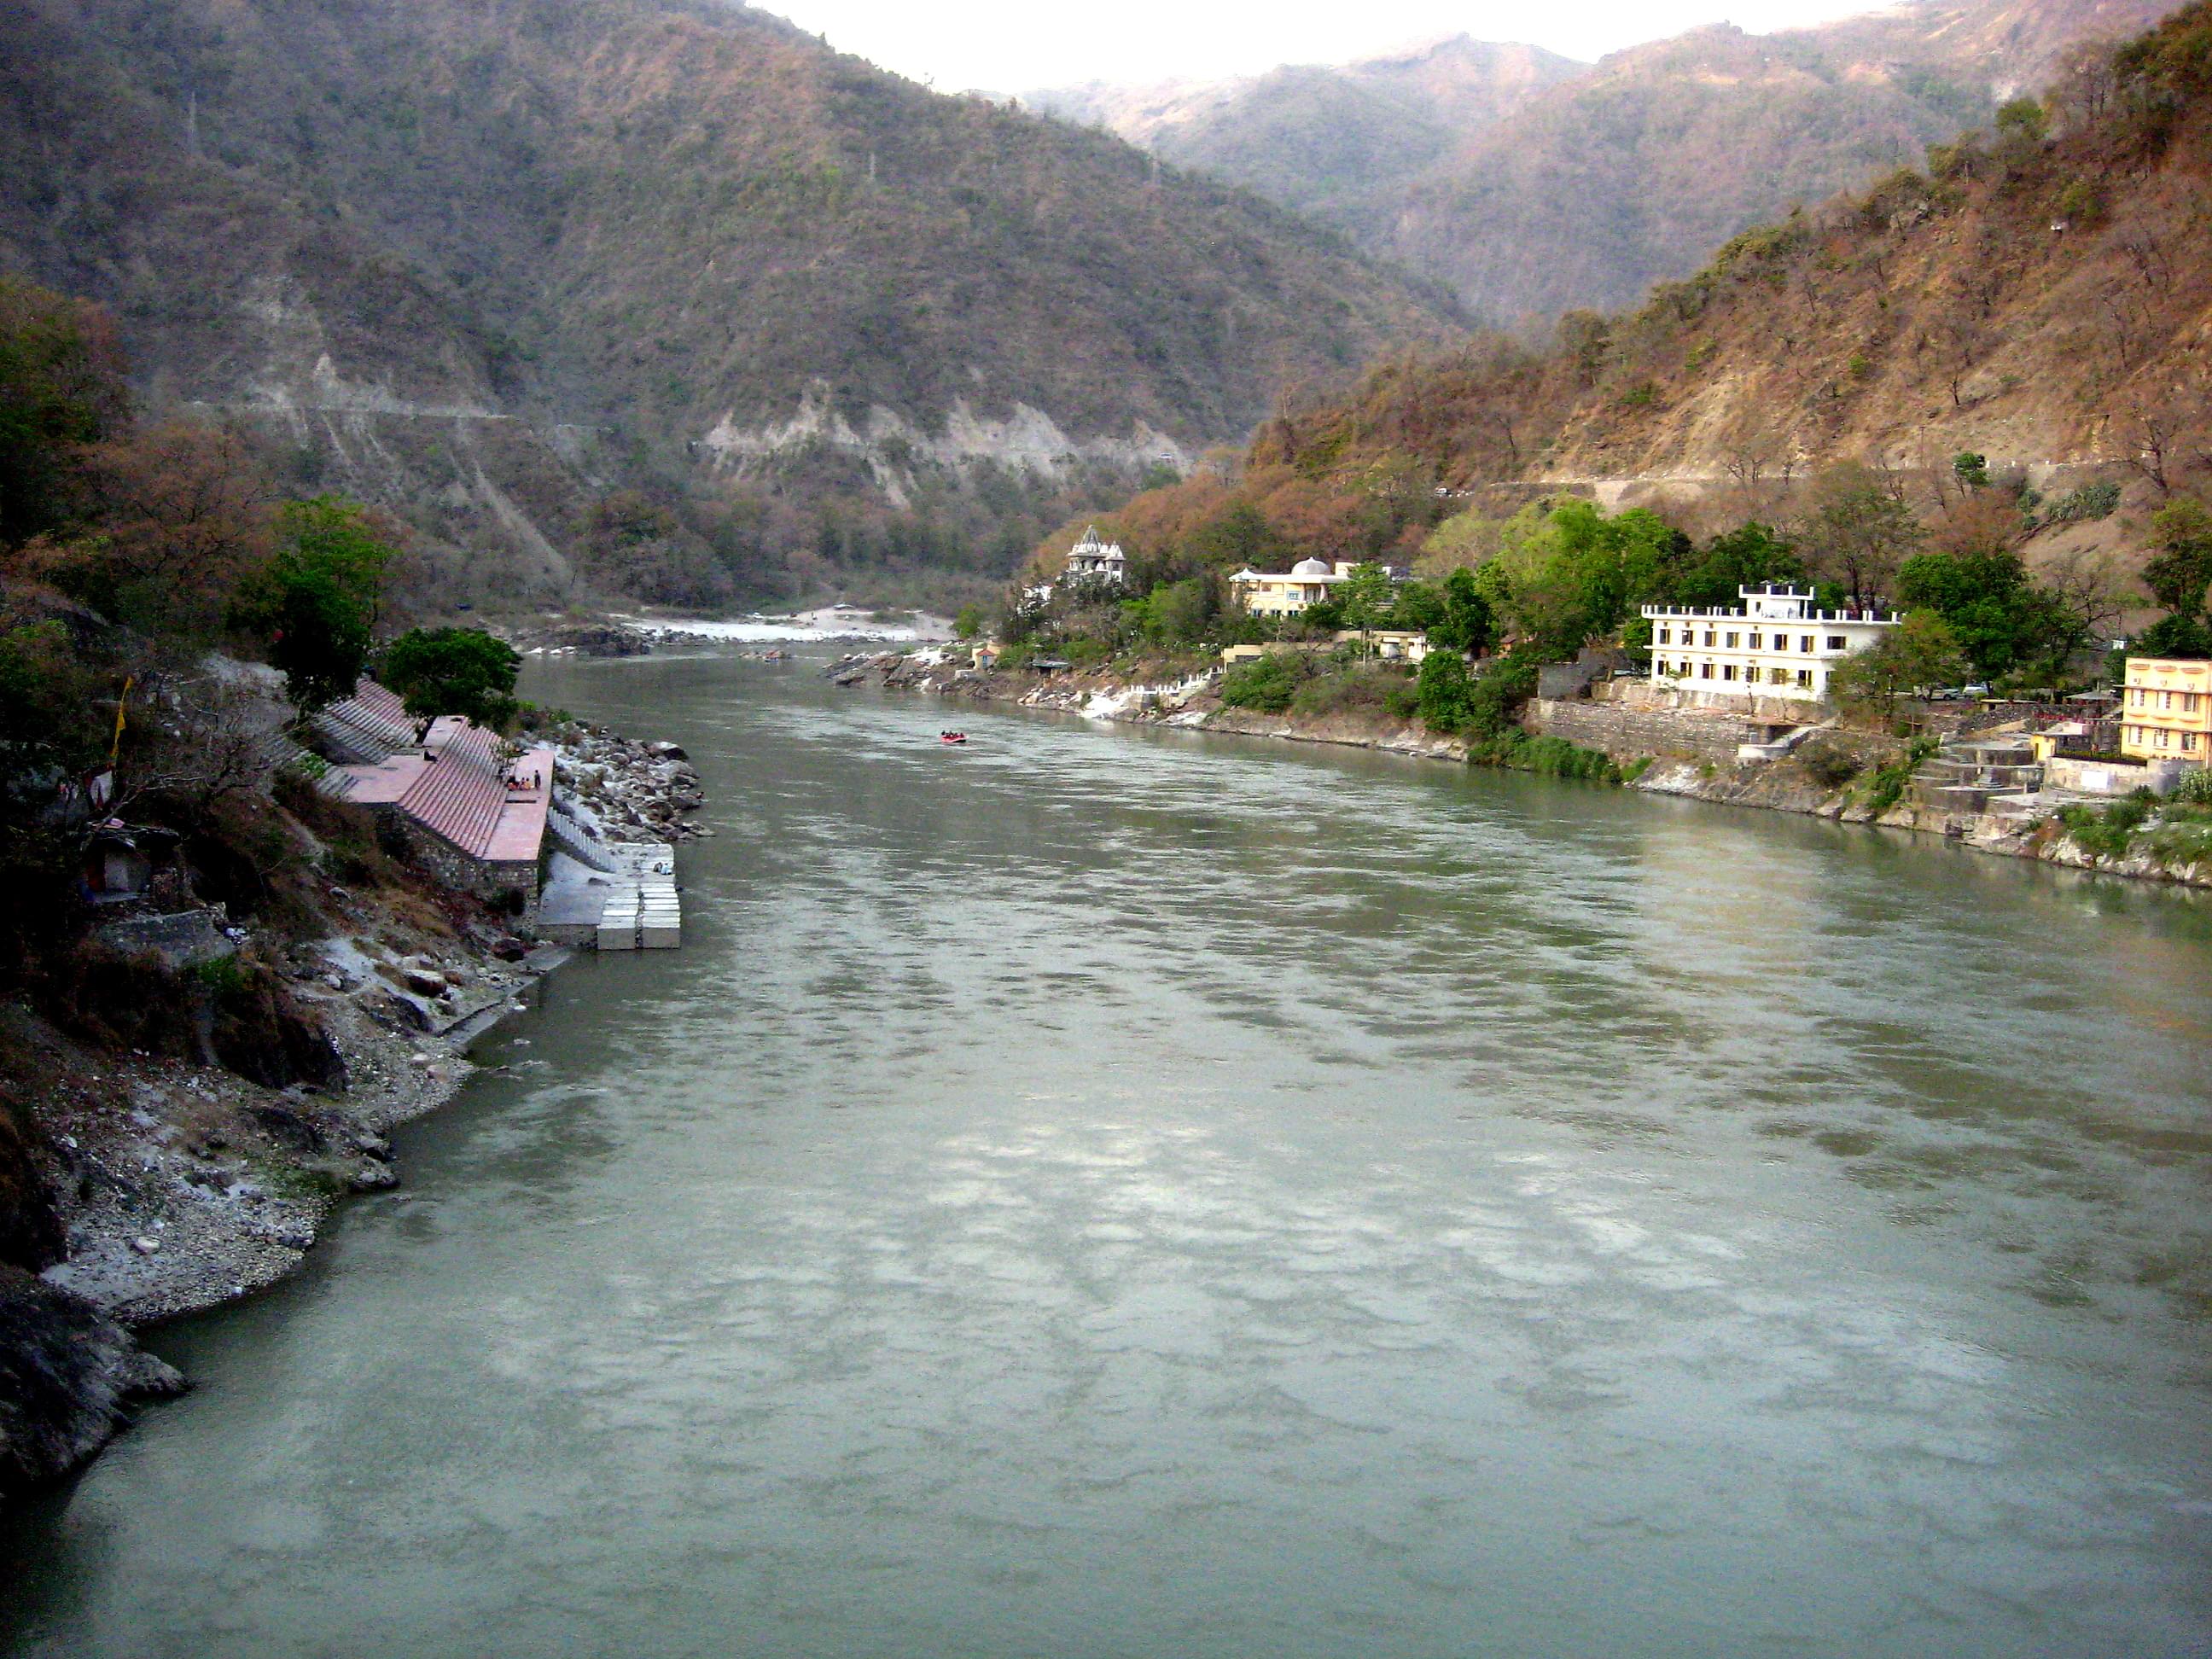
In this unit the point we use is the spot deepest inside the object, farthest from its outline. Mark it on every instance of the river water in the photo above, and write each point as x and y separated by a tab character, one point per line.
1118	1192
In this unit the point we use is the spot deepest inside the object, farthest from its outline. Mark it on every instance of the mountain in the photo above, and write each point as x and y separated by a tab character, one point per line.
2042	298
1333	142
496	262
1585	188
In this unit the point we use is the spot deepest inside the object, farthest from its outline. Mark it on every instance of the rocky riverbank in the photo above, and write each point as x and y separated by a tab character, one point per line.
144	1183
1811	783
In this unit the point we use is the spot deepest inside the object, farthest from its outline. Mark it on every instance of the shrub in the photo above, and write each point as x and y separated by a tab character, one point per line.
1888	784
1828	765
1550	757
1266	683
2096	500
2106	835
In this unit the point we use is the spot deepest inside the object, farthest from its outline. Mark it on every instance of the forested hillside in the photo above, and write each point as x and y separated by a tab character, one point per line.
2010	347
1339	142
665	292
1564	190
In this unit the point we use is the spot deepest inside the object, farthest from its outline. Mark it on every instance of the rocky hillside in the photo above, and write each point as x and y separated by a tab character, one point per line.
2042	297
1562	189
492	264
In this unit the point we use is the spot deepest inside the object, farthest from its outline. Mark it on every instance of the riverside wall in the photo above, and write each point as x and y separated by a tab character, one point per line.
1626	733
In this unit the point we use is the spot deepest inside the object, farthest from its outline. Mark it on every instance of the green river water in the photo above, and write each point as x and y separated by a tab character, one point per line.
1111	1192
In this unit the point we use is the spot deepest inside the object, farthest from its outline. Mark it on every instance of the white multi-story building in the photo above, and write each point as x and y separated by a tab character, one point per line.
1777	644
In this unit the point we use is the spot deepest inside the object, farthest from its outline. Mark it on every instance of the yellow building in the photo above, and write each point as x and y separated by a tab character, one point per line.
2165	711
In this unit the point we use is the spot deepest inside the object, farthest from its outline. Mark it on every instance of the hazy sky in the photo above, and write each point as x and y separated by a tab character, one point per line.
1014	45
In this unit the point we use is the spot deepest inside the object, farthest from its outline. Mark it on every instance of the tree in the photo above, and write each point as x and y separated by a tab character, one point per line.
970	622
1564	577
1445	691
185	513
1466	625
2002	622
2179	574
1240	537
316	601
60	391
1970	469
1916	656
1746	556
1174	614
453	671
1857	532
1366	598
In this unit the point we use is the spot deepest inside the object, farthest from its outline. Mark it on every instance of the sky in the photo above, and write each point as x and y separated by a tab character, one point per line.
1019	45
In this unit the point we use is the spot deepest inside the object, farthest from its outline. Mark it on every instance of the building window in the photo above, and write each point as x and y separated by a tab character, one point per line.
2188	741
1708	636
1838	642
1705	671
1666	637
2135	695
1733	638
2189	703
1756	641
1805	678
1805	643
1727	670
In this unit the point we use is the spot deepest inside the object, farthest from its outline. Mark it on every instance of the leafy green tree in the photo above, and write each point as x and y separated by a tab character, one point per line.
1175	614
1366	599
1916	656
2180	573
316	601
1746	556
1466	624
970	622
2004	623
1564	577
1445	691
1972	470
453	671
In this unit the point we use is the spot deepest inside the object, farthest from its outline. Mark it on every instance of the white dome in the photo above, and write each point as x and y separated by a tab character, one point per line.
1309	568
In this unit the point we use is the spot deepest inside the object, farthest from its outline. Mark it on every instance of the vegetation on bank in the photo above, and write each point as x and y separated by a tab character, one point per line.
140	565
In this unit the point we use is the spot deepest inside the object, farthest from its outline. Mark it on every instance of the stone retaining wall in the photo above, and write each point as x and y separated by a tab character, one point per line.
1625	731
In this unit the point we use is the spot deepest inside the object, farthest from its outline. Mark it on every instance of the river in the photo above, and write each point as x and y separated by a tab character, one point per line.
1109	1191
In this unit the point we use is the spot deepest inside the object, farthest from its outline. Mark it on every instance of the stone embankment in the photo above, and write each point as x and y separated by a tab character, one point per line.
635	791
1672	751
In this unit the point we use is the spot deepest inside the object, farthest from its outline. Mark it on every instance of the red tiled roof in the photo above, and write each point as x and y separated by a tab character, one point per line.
460	793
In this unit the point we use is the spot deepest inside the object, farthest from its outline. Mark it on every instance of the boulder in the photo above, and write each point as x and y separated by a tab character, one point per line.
68	1374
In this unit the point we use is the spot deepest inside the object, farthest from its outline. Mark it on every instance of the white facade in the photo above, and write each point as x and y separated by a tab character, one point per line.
1092	560
1306	582
1777	644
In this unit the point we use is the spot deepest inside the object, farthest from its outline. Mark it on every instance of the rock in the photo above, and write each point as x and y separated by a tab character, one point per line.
372	1177
423	982
144	1245
666	752
67	1373
510	949
289	1127
375	1146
